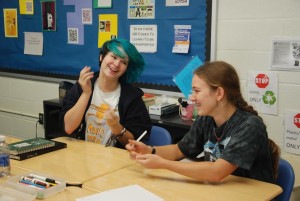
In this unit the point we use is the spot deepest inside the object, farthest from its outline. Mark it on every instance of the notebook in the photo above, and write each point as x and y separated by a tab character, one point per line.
28	145
30	154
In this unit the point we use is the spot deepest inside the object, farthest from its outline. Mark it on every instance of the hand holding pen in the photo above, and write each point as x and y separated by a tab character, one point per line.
136	147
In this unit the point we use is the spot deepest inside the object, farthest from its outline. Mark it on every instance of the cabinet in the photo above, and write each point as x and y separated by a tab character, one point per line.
173	123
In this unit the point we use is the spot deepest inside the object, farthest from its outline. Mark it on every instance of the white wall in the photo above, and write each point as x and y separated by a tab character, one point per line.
20	103
244	33
245	29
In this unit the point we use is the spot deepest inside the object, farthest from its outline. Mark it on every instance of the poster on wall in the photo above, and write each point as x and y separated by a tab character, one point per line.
263	91
48	15
177	2
291	141
285	54
182	35
10	23
33	43
108	28
144	37
102	3
26	7
138	9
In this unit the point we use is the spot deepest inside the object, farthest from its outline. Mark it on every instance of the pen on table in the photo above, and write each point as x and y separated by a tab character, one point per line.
144	133
29	180
31	184
43	178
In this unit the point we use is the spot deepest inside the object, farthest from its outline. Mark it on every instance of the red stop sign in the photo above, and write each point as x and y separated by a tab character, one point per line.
262	80
297	120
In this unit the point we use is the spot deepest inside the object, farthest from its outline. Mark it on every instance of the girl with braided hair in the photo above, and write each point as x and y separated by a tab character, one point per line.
228	131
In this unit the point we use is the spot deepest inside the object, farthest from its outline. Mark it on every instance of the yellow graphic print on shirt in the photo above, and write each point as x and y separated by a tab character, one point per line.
97	131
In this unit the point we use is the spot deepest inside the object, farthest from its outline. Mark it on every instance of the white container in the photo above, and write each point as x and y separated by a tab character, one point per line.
32	192
7	192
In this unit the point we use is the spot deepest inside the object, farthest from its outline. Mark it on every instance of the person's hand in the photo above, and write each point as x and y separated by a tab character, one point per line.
150	161
135	148
112	119
85	80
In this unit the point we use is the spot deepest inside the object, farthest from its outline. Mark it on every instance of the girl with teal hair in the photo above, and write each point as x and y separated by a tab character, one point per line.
123	48
104	107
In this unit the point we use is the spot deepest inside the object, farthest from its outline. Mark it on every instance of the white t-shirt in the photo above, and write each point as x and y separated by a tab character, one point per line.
96	129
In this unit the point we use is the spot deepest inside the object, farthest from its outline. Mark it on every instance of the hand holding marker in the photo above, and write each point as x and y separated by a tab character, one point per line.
144	133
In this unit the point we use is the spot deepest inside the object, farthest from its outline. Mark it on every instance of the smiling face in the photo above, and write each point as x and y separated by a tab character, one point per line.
204	97
112	66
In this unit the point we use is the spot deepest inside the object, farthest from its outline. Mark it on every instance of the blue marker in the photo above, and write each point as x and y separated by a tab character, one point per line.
31	184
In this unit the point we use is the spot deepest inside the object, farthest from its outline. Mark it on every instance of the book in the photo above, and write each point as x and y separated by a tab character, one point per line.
30	145
30	154
183	78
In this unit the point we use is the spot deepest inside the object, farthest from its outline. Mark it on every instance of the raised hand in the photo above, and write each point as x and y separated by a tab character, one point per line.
85	80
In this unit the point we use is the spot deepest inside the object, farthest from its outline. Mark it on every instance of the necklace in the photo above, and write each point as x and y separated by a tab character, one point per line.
223	131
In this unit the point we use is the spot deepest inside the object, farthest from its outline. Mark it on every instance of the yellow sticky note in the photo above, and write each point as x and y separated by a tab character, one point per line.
108	28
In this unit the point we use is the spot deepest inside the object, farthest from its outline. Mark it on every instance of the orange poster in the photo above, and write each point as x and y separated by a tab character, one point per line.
10	23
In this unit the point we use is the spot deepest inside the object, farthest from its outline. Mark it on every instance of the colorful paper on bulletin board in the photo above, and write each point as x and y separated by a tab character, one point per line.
26	7
102	3
138	9
48	15
10	23
108	28
183	78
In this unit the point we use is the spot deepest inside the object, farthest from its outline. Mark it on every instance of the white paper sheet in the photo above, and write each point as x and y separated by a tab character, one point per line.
33	43
128	193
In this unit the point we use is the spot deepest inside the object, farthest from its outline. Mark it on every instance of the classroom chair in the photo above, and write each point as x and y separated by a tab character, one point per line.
285	179
159	136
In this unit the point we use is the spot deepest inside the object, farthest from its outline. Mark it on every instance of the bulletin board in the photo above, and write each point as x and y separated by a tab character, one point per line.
64	61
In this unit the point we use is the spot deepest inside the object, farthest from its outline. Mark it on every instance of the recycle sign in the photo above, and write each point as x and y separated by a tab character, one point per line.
269	98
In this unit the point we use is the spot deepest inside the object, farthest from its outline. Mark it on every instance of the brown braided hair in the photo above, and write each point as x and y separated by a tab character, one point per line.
221	74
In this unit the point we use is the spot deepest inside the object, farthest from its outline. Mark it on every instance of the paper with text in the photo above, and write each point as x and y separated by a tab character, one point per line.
33	43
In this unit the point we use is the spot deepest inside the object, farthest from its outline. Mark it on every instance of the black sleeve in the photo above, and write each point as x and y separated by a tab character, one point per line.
137	118
69	101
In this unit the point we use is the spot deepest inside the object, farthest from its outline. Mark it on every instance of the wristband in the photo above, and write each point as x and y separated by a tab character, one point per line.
153	150
121	134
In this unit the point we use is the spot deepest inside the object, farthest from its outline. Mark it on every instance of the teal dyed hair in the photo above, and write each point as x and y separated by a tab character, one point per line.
122	48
